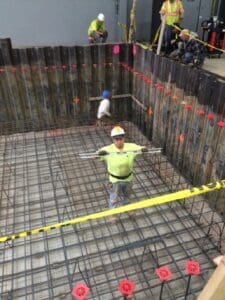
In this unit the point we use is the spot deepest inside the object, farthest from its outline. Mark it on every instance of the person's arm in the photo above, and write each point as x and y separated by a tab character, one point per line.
102	153
181	10
92	28
162	11
103	27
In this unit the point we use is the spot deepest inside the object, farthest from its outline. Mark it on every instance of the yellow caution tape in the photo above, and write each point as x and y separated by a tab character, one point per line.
193	37
130	207
142	46
155	37
200	41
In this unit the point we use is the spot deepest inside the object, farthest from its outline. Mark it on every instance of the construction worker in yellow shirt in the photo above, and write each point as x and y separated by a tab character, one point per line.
97	30
171	12
119	158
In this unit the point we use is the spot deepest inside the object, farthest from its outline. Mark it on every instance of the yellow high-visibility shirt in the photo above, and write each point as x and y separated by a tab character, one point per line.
172	11
121	164
96	26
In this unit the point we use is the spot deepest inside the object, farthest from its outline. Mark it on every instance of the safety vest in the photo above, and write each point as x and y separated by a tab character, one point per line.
120	167
173	12
96	26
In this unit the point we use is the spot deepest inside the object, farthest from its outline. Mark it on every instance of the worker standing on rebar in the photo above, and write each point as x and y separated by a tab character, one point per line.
119	158
104	115
172	11
97	32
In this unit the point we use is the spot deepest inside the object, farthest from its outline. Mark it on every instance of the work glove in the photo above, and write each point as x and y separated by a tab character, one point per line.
102	153
144	150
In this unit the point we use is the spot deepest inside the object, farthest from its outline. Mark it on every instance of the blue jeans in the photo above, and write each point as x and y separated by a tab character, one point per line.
97	38
119	189
167	38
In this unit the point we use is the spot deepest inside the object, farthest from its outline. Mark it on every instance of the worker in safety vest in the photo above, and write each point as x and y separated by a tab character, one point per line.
193	51
189	50
119	158
97	30
172	12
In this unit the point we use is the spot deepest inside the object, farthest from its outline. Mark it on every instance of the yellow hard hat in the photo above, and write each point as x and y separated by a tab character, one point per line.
117	130
185	32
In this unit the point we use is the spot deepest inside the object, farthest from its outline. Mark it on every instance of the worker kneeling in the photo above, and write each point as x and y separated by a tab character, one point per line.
189	50
97	30
119	158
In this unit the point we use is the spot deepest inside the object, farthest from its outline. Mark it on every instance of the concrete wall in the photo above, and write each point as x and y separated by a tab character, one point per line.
143	19
57	22
195	12
65	22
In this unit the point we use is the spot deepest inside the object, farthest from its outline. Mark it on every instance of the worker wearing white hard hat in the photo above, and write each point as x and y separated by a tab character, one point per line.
97	32
120	167
101	17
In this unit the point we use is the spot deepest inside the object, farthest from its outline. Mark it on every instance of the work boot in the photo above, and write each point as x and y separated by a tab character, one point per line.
114	219
131	214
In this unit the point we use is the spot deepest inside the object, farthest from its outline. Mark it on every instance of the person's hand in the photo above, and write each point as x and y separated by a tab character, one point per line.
144	150
100	32
102	153
217	260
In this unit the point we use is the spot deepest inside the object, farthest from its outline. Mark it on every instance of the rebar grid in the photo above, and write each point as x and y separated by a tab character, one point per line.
44	181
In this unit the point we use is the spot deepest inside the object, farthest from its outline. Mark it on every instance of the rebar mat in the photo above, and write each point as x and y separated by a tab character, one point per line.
44	181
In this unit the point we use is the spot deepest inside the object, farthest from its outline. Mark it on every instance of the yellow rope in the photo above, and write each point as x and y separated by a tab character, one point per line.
180	195
124	30
194	38
200	41
155	37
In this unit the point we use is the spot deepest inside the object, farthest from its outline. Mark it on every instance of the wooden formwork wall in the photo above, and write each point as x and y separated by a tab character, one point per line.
42	85
178	107
184	111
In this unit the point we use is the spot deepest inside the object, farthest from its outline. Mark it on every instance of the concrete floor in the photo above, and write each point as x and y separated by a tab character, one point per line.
215	65
44	182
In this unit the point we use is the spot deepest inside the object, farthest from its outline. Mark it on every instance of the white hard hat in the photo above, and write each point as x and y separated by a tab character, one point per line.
116	131
101	17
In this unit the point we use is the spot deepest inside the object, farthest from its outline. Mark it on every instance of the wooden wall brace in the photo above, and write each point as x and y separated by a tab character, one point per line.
122	96
215	287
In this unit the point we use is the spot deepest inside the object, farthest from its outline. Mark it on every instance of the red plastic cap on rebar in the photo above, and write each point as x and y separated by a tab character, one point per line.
80	291
23	69
200	112
181	138
134	50
188	107
126	287
210	117
168	93
174	98
164	273
150	111
116	49
221	124
76	100
160	88
192	267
